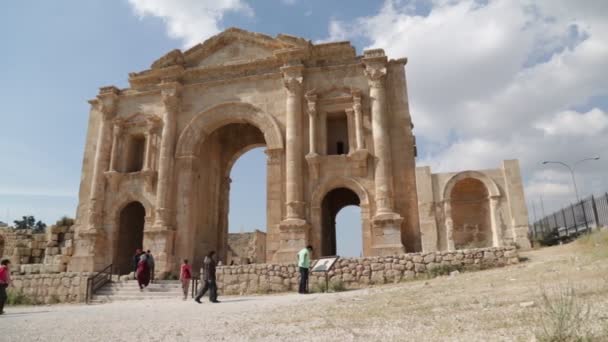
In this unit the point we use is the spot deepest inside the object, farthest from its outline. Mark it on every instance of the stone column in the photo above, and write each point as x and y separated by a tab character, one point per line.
116	137
387	223
161	236
360	143
147	155
92	239
311	100
294	230
171	99
292	77
107	103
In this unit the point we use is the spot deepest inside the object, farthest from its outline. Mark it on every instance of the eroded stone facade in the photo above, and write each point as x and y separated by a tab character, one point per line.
472	209
337	131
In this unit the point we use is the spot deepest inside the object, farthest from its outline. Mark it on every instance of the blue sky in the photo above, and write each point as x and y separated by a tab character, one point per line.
488	80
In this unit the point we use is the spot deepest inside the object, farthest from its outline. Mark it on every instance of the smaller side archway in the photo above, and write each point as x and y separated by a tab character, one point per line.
129	236
327	200
470	200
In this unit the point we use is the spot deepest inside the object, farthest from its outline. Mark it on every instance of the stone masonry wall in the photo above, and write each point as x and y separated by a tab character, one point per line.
360	272
51	288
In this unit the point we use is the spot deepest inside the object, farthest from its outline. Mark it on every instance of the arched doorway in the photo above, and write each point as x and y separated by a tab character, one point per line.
470	209
332	203
129	237
205	152
217	155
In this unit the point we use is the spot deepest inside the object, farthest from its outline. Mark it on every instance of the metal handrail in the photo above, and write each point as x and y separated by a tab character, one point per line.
98	280
194	286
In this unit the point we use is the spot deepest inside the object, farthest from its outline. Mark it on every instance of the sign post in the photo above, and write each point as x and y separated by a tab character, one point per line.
324	265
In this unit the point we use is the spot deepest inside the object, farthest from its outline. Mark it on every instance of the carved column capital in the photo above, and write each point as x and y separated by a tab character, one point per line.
119	127
293	78
375	76
153	124
375	67
311	103
171	95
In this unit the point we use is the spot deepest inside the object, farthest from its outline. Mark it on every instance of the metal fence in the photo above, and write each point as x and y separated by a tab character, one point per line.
588	214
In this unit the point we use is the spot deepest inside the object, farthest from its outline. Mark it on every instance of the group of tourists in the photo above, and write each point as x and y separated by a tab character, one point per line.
207	276
143	266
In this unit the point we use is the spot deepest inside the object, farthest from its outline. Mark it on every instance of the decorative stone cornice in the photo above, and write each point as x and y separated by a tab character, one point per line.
292	77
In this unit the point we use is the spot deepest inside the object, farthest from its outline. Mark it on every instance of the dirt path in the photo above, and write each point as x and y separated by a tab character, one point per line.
479	306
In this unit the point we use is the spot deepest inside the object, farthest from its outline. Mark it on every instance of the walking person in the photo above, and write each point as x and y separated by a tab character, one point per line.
143	272
136	261
304	265
185	276
150	259
209	279
5	281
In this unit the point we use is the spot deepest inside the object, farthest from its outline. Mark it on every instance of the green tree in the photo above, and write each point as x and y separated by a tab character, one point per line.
29	222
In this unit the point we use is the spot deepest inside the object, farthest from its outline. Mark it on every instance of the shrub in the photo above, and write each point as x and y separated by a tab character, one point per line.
440	270
18	298
563	316
337	286
319	287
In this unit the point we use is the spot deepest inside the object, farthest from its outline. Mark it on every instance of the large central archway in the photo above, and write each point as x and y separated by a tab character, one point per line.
206	152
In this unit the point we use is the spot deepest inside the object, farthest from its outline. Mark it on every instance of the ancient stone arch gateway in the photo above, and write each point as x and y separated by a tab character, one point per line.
337	131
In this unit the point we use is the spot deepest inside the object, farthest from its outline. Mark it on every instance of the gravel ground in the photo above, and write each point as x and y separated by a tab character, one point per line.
477	306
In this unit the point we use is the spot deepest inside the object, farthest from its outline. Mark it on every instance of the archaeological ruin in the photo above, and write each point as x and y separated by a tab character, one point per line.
337	131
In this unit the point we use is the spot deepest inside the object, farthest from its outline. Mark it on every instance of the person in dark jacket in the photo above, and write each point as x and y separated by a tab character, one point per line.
208	275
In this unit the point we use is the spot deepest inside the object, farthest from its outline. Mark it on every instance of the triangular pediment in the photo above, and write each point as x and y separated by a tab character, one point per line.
238	46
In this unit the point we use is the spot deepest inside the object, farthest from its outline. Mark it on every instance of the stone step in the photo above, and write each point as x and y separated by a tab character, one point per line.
129	290
135	292
107	299
151	286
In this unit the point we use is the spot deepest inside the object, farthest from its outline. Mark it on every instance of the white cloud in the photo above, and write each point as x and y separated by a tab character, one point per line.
499	79
574	123
191	21
289	2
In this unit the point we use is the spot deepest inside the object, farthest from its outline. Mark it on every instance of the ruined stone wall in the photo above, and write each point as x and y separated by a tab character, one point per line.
51	288
22	246
361	272
34	253
245	247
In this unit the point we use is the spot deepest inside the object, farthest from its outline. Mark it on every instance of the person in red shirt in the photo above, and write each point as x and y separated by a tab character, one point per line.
185	275
5	280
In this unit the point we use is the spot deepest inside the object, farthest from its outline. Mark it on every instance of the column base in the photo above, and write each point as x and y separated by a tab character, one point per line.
159	240
386	229
294	235
90	246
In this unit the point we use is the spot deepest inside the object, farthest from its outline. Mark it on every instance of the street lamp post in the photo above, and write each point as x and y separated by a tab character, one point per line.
571	169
